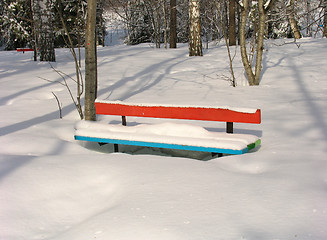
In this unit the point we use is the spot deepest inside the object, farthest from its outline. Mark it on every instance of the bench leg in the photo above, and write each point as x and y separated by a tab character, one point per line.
116	148
229	127
216	154
101	143
123	120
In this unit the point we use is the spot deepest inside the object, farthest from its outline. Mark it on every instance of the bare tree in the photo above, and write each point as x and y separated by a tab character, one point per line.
221	24
101	32
153	11
232	23
173	25
195	41
263	7
90	61
77	61
43	28
324	3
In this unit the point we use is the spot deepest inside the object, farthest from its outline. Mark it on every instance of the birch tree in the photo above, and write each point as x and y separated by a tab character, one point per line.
291	18
195	41
263	8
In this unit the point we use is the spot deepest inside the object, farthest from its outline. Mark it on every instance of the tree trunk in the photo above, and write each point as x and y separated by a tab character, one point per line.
195	42
261	33
291	19
253	78
244	56
325	17
173	25
90	62
163	5
232	24
101	24
157	25
33	31
153	11
43	28
308	10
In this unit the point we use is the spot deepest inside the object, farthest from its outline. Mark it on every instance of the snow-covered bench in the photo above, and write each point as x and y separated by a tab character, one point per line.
171	135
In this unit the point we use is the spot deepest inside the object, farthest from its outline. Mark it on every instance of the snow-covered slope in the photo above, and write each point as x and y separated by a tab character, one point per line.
52	187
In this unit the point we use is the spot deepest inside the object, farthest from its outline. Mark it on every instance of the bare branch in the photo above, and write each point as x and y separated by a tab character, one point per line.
59	105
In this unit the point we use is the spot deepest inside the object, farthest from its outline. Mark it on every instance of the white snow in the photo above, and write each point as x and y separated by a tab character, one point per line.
236	109
168	133
53	187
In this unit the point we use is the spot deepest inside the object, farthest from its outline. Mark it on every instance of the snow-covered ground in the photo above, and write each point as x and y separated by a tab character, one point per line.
53	187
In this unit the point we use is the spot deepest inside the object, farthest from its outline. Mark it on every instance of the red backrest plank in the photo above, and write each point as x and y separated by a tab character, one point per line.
190	113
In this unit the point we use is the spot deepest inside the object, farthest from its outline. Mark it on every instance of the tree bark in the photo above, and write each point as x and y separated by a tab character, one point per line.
34	41
195	41
325	17
90	62
101	24
261	33
244	56
308	30
291	19
232	24
253	78
164	12
173	25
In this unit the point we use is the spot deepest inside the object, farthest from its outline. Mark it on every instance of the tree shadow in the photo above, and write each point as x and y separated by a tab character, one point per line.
266	66
13	162
313	109
148	71
139	84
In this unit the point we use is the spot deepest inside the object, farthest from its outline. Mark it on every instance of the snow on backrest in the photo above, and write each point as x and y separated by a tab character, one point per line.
223	114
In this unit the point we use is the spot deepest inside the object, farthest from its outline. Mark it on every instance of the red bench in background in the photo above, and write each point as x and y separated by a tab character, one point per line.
25	50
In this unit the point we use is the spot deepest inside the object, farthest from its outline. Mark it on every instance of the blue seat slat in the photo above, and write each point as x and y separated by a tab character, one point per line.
161	145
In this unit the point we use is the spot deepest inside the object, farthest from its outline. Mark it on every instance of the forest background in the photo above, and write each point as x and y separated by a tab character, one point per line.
153	21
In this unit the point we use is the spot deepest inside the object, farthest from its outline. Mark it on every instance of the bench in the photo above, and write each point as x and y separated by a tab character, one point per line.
23	50
173	135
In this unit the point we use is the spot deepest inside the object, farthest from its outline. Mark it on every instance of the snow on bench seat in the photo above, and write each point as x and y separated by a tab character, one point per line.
166	135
